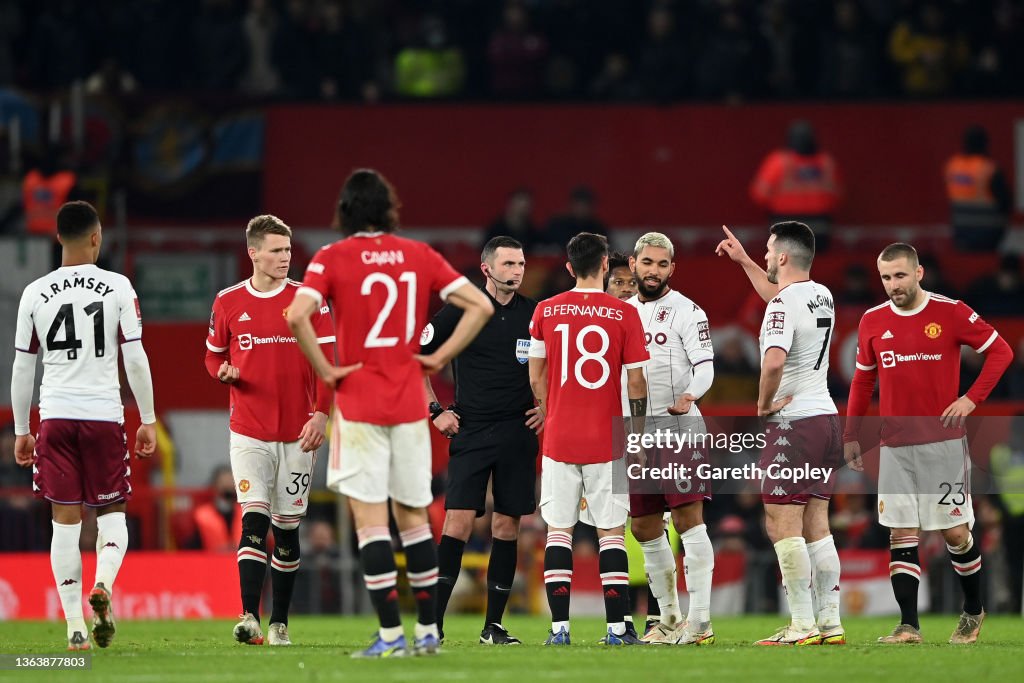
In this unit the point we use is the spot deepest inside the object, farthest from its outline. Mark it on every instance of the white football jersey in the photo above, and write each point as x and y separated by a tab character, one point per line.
800	320
678	338
77	316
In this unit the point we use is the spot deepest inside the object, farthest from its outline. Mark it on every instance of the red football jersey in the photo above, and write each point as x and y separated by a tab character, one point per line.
276	388
379	286
588	337
917	356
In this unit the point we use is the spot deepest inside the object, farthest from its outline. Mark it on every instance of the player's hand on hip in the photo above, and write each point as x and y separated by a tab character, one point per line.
851	453
731	247
24	449
227	373
313	432
682	405
447	423
955	414
432	364
334	374
535	419
145	441
775	407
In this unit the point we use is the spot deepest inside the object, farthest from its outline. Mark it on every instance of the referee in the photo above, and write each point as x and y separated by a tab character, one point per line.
493	426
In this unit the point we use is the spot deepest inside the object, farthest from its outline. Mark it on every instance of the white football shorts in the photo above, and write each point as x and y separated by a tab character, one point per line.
571	493
273	472
925	486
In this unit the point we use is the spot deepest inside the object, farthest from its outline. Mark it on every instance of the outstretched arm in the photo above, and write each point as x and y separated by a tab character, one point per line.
732	248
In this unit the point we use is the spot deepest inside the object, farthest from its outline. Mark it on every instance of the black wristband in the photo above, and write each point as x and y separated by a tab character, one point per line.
435	409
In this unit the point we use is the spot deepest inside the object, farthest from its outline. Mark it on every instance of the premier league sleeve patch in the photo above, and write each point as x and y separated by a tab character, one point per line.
522	350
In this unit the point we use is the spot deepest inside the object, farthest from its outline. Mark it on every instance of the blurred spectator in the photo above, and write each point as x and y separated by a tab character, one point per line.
11	26
783	44
800	182
979	198
849	65
858	287
934	278
1001	293
319	589
345	55
516	221
730	61
111	79
930	54
293	50
259	26
998	59
517	55
736	366
614	81
1007	463
662	62
218	47
432	67
59	50
219	521
44	189
580	217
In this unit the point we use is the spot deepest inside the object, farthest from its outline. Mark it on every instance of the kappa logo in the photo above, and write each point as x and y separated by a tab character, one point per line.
782	441
244	318
777	300
887	335
783	423
69	582
697	455
781	457
779	491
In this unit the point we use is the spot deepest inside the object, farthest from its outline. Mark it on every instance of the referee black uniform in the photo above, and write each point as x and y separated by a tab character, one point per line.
492	395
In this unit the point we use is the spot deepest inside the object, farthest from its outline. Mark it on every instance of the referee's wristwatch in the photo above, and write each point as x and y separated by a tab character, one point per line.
435	409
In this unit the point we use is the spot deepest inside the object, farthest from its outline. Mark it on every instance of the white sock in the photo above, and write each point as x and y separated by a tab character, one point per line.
825	575
660	565
618	627
796	577
66	562
699	563
390	634
111	544
557	626
423	630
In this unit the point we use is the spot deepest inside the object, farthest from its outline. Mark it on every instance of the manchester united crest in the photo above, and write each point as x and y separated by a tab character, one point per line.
932	330
243	485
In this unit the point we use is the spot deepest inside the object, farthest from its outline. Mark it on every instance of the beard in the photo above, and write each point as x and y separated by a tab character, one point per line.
649	292
907	295
773	274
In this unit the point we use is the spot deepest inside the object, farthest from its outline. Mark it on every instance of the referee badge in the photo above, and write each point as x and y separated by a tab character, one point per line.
522	350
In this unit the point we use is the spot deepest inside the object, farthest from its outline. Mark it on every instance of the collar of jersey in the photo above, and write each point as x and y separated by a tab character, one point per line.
367	234
265	295
587	290
668	290
899	311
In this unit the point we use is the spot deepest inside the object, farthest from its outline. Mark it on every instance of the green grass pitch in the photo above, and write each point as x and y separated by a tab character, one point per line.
201	651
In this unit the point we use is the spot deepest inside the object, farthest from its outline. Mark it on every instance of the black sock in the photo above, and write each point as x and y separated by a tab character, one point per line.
449	564
378	563
284	566
558	574
421	567
905	576
966	561
613	564
252	560
501	572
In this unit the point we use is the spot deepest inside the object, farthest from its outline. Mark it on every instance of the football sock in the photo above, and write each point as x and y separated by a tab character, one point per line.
501	572
905	576
378	563
449	565
653	608
558	576
111	544
825	580
66	563
252	560
421	568
660	566
283	567
614	567
796	578
699	565
966	559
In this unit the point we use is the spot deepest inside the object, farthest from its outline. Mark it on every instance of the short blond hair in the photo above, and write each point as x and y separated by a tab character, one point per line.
654	239
263	225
